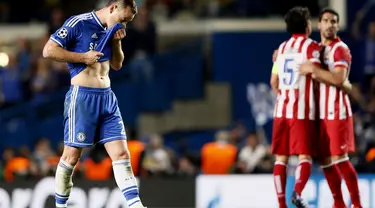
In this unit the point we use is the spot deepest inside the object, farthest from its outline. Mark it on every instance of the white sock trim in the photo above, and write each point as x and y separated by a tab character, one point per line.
341	160
305	161
121	162
61	205
66	164
327	166
280	163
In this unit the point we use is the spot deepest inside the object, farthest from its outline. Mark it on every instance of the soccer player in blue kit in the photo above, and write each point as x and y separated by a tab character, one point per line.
91	43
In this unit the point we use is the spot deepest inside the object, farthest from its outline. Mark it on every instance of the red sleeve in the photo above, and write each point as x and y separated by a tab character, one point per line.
313	53
342	57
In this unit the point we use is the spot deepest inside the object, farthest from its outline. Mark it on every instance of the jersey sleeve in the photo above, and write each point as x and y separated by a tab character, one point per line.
67	33
342	57
313	53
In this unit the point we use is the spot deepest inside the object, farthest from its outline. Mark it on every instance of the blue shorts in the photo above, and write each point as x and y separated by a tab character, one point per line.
91	116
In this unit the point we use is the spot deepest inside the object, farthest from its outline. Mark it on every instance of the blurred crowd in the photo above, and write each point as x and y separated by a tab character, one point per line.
232	151
235	150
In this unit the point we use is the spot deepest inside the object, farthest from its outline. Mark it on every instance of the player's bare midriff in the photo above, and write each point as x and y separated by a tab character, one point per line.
94	76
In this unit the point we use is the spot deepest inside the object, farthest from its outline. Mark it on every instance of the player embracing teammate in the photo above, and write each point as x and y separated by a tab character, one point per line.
311	82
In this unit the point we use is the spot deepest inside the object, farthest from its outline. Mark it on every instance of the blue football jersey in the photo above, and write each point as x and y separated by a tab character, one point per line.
82	33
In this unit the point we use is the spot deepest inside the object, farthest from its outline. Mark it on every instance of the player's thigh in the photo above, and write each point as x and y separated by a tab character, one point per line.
338	133
302	137
351	139
280	137
112	126
80	118
323	142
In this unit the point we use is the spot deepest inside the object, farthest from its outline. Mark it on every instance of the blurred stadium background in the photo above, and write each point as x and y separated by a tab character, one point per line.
194	91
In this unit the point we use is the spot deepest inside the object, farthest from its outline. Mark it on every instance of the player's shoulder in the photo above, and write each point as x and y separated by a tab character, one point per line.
282	44
340	48
341	45
312	48
78	20
312	43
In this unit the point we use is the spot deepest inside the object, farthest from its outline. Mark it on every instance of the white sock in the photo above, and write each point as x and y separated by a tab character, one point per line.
126	182
63	183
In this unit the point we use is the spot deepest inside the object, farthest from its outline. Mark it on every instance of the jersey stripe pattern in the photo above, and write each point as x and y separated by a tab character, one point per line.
334	103
295	99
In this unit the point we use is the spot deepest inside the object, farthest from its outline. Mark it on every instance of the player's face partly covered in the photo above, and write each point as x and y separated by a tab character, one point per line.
328	26
120	14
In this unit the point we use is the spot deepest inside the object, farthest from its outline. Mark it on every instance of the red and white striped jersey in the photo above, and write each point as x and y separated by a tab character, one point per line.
334	103
295	99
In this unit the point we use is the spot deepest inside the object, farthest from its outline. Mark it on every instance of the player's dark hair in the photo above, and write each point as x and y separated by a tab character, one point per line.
328	10
126	3
296	20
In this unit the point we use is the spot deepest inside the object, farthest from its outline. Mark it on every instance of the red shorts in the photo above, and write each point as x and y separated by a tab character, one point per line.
336	137
293	137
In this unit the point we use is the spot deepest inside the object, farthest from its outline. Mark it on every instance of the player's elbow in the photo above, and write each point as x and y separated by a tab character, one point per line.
47	51
338	80
116	66
274	82
46	54
339	76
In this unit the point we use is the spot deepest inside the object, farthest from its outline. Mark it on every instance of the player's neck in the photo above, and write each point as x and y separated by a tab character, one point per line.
326	41
101	14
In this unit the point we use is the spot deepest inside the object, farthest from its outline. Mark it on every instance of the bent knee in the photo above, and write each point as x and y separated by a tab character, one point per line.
117	150
71	155
123	154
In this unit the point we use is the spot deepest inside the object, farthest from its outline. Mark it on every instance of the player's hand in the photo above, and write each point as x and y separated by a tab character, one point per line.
306	68
274	55
347	86
120	34
91	57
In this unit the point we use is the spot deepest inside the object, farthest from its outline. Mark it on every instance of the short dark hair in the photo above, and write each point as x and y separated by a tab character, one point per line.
126	3
296	20
328	10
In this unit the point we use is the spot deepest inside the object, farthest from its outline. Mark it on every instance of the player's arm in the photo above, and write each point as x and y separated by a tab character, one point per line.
274	82
336	77
117	54
347	86
54	51
55	48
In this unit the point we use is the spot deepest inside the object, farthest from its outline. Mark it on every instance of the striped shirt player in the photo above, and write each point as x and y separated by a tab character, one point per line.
294	115
335	113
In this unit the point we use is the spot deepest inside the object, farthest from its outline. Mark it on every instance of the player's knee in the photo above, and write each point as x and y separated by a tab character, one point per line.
121	155
117	150
324	161
71	155
304	157
282	158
